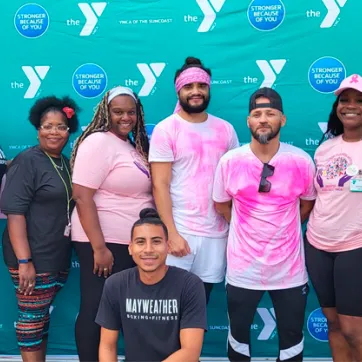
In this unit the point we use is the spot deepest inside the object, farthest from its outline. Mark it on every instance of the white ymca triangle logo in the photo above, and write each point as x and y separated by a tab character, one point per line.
270	70
92	13
35	76
150	73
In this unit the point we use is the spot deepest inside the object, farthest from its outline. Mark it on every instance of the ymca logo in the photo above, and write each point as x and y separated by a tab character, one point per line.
333	8
150	73
92	13
323	126
209	8
35	75
270	70
268	318
2	157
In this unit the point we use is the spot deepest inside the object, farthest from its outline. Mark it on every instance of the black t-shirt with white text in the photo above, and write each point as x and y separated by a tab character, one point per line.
34	189
151	316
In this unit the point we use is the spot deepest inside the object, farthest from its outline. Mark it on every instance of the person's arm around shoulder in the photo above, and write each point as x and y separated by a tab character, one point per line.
222	200
193	322
307	199
91	167
109	318
161	158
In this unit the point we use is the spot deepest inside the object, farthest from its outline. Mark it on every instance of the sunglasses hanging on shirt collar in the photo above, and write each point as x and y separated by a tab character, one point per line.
265	185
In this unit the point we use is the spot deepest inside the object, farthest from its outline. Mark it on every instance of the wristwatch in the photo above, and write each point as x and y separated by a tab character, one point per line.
25	261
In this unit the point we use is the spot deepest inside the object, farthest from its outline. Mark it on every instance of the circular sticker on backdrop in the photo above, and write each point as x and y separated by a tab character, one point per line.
326	74
89	80
352	170
317	325
266	15
31	20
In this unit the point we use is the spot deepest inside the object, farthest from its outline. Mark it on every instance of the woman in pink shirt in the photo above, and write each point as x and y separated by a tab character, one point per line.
334	235
111	185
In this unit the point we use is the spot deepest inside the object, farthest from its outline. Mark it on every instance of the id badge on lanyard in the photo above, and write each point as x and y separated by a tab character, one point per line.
67	228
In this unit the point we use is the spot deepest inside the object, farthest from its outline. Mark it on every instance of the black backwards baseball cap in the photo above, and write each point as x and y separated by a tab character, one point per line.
275	101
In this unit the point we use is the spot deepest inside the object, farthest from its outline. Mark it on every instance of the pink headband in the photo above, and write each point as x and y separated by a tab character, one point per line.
190	75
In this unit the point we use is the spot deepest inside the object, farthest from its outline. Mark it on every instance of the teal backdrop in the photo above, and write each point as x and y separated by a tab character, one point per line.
302	48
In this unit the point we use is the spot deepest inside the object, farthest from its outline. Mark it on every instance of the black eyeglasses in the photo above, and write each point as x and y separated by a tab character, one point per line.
265	185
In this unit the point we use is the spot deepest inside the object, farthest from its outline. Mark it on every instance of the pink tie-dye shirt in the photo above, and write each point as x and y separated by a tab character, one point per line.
265	247
194	150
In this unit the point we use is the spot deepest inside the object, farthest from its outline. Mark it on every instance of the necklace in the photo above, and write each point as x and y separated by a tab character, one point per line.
62	165
69	192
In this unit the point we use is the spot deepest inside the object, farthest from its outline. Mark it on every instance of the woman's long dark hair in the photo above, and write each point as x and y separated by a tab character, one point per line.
335	126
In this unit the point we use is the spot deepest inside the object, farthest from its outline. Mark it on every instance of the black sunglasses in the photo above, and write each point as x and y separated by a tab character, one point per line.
265	185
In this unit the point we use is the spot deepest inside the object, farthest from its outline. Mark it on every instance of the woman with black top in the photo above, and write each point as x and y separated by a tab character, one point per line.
37	201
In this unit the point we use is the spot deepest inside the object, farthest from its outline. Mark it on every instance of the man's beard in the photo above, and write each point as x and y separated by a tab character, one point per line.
264	138
194	109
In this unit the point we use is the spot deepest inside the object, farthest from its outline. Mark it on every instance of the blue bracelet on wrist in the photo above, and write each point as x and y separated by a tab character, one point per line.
25	261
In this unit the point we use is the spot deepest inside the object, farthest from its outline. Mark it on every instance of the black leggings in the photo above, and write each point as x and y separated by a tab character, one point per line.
87	332
289	307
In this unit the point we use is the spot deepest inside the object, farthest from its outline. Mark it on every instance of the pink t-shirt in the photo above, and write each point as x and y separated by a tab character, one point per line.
194	150
113	167
335	223
265	247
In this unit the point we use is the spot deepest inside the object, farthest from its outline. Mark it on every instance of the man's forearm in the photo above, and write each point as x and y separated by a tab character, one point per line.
224	209
161	194
227	215
107	353
182	355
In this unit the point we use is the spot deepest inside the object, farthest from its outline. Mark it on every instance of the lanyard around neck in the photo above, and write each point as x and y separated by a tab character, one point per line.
69	198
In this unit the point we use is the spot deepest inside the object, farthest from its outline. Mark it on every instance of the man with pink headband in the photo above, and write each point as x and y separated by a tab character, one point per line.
184	152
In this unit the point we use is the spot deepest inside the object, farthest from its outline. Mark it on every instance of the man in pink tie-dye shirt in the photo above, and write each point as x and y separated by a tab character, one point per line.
265	190
184	152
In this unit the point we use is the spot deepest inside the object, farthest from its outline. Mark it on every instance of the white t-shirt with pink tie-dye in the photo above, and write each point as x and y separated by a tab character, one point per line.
265	246
194	150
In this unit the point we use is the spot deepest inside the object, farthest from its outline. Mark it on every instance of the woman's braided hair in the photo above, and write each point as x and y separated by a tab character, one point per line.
101	122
